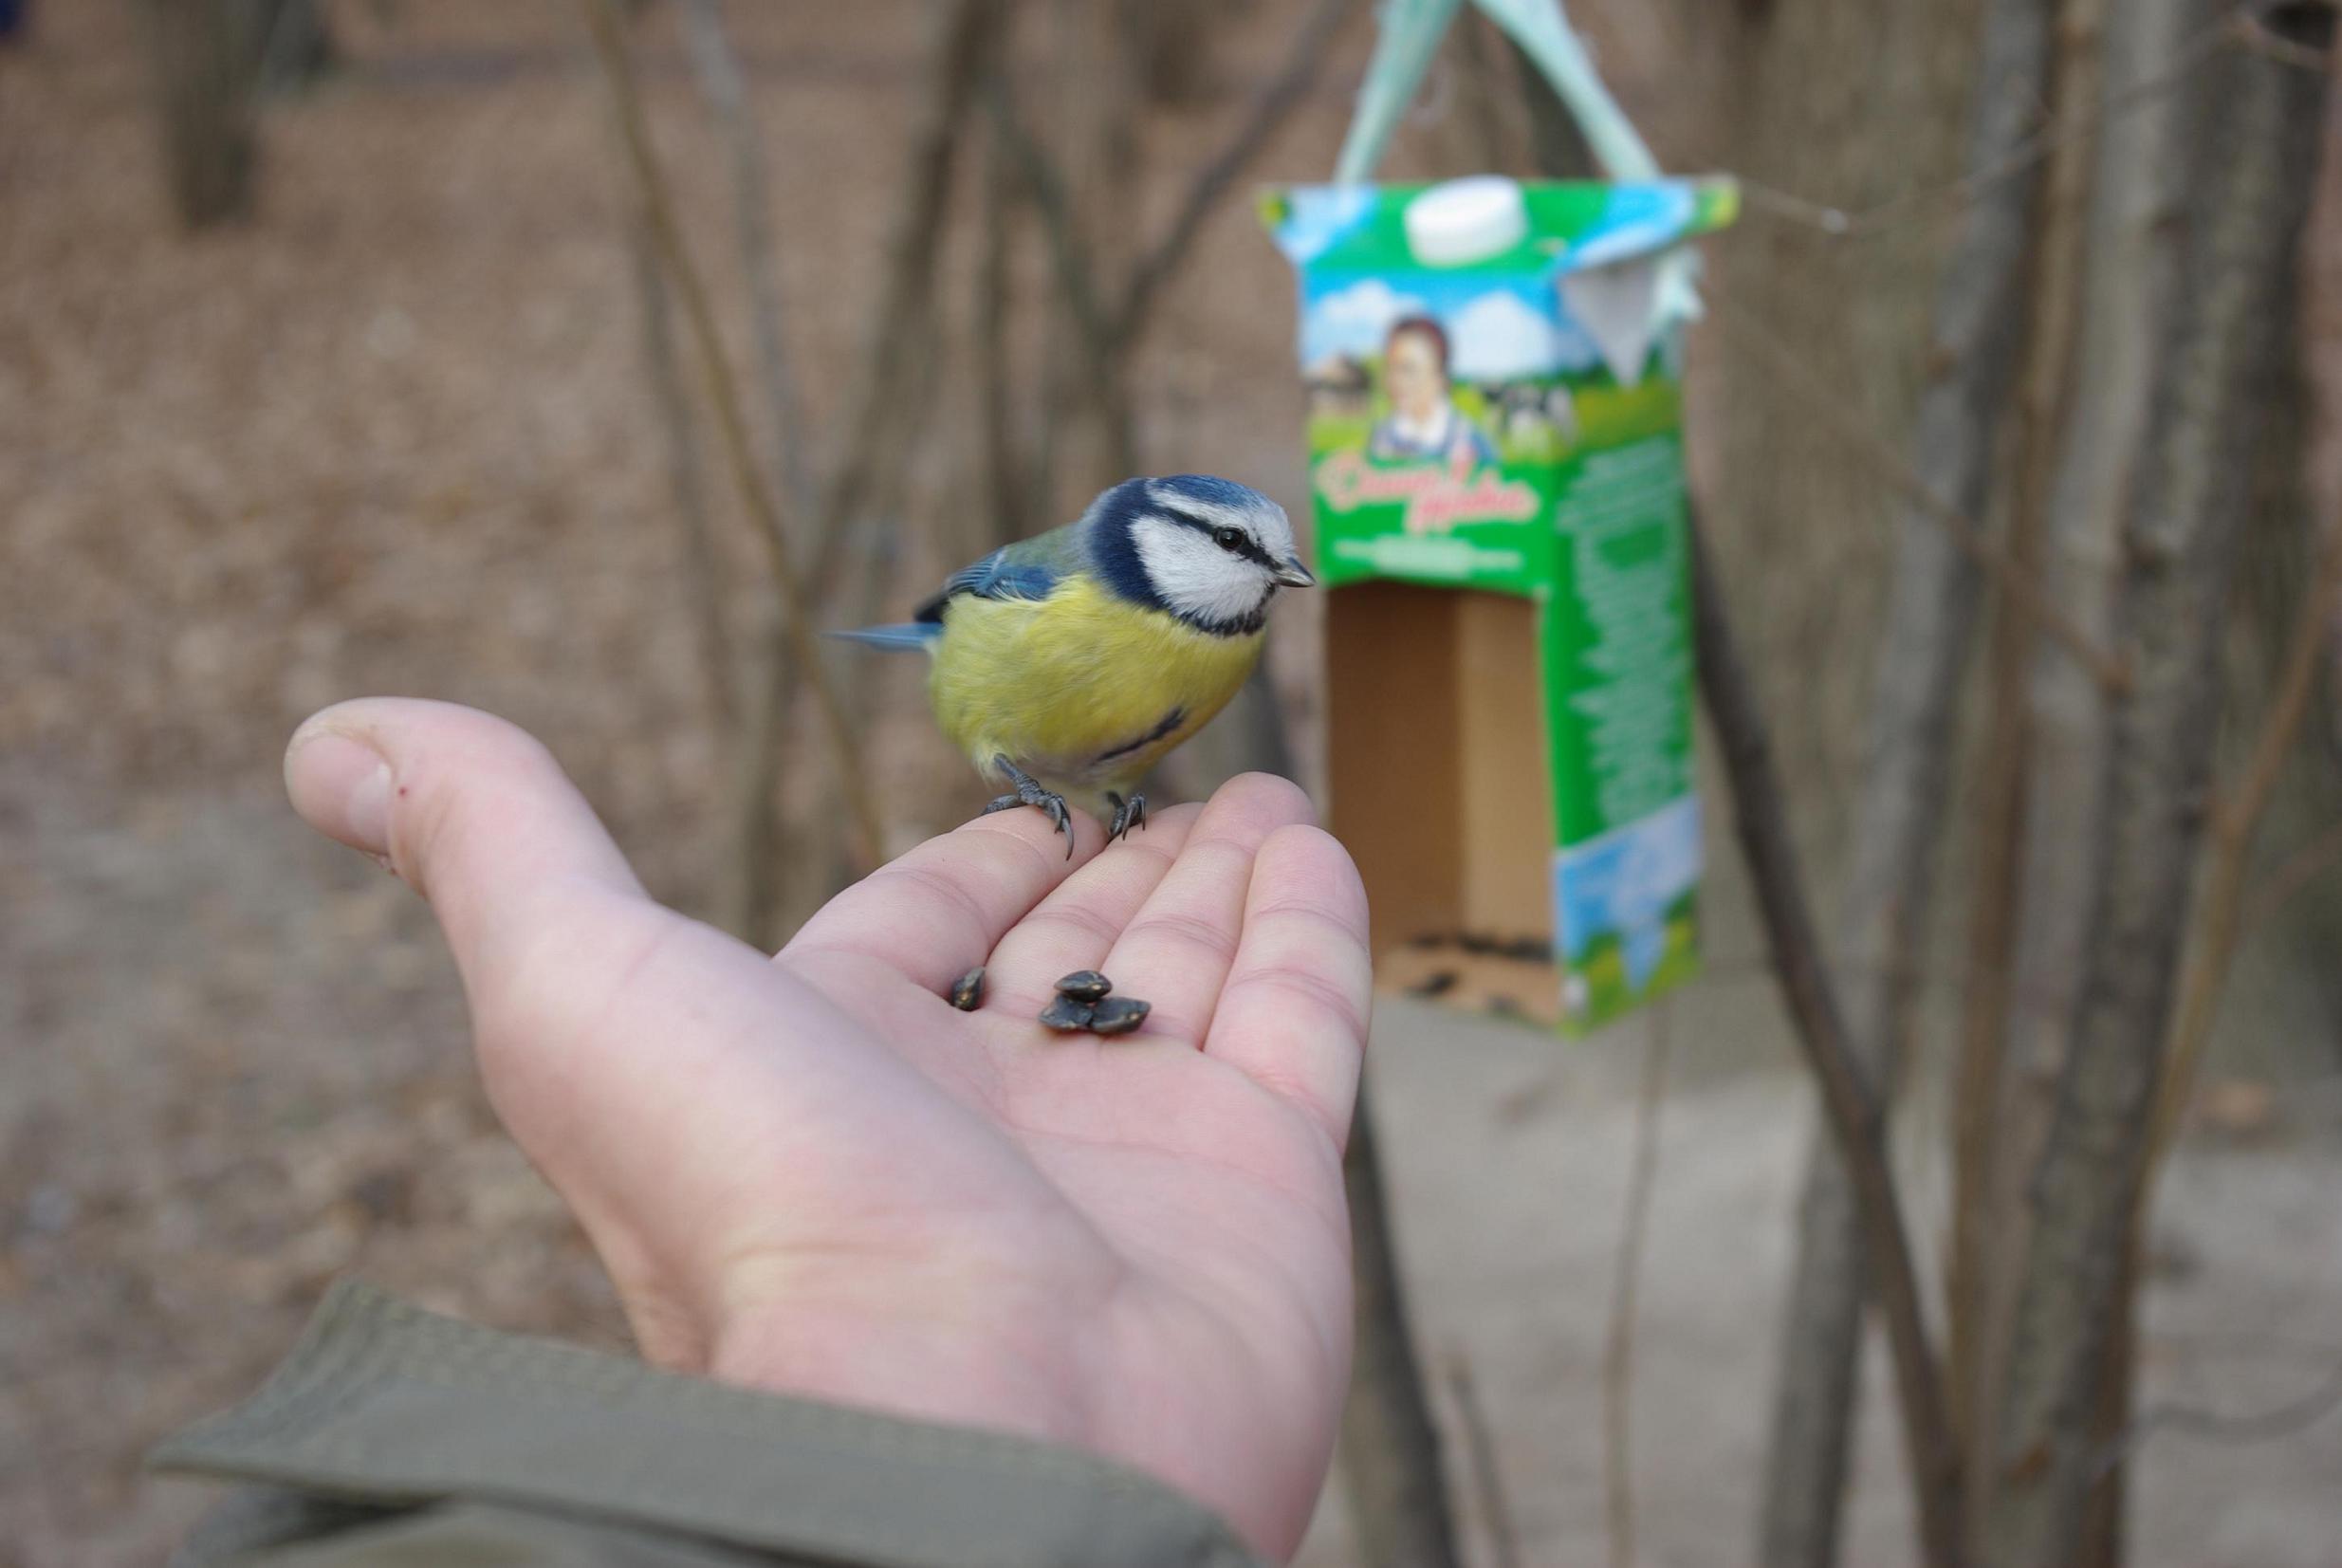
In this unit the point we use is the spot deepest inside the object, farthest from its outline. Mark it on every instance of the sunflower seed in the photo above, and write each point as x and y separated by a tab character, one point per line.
967	990
1085	986
1118	1015
1066	1014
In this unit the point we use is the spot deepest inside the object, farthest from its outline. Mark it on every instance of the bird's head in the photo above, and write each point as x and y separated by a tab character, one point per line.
1210	552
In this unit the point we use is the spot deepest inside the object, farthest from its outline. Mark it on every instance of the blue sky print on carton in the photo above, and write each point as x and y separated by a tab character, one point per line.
1635	219
1320	214
1623	882
1498	330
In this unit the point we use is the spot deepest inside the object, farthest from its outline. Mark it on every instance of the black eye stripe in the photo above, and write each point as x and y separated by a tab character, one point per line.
1246	545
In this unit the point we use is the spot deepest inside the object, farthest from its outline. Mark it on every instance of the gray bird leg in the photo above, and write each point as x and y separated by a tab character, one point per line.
1127	814
1029	792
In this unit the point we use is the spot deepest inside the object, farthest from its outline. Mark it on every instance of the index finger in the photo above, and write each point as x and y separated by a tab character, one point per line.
936	912
1293	1014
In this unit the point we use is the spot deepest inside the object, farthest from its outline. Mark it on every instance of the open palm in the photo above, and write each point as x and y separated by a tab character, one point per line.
808	1173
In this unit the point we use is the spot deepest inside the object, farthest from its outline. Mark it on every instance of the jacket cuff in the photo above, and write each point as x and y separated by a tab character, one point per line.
383	1403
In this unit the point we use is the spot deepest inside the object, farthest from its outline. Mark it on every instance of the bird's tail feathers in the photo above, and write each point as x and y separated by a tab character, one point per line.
910	635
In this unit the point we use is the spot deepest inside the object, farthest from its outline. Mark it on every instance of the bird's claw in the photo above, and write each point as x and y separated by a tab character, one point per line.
1029	792
1126	815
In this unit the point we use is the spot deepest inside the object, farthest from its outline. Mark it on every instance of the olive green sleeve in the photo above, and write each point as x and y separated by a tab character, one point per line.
394	1437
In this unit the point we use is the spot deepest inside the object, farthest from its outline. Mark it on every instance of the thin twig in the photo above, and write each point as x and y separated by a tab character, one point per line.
717	66
1111	331
1003	510
601	18
2299	869
1479	1452
966	34
2286	1420
1275	103
2239	27
700	574
1760	818
2020	589
1071	256
2236	820
1626	1284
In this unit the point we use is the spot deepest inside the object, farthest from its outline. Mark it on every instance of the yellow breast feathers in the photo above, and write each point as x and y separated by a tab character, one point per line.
1083	689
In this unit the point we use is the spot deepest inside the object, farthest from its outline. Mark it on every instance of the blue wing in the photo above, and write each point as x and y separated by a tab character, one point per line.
1027	569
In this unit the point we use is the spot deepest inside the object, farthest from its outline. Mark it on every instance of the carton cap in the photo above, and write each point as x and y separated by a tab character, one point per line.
1466	220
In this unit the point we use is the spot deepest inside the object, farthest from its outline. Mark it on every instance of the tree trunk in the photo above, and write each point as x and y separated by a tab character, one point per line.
1973	360
2131	238
2254	122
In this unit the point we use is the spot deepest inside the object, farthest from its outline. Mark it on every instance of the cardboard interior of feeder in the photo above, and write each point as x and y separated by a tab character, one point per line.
1439	787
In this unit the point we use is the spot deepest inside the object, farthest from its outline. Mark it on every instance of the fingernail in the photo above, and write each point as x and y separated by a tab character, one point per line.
343	788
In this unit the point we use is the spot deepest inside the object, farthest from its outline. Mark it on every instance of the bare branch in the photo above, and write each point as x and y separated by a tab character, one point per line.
2238	28
1269	111
2236	823
2302	867
2281	1421
966	32
723	395
1760	818
1910	735
1003	510
701	602
1071	256
721	85
2025	592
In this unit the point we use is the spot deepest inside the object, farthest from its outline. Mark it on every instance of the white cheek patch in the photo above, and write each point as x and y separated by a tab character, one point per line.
1274	532
1195	576
1267	523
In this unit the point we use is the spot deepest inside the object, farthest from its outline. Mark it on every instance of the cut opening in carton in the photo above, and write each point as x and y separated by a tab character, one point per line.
1440	785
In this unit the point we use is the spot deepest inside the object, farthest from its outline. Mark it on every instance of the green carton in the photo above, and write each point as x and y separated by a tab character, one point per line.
1496	461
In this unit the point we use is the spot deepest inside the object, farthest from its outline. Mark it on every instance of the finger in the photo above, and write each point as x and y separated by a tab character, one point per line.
471	811
1293	1015
1177	950
1076	926
936	912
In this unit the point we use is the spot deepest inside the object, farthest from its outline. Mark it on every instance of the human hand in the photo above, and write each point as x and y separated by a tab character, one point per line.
809	1174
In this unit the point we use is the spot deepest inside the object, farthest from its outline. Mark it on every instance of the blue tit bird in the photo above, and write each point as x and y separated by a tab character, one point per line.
1068	664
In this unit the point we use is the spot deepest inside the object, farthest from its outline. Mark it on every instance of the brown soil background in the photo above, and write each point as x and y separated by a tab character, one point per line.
393	437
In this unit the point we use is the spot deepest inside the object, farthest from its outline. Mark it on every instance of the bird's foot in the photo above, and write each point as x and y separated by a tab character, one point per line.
1127	814
1029	792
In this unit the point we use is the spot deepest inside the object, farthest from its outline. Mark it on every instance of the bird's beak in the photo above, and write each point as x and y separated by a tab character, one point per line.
1294	575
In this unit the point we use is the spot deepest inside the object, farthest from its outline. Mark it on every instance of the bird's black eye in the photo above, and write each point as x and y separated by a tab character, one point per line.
1227	538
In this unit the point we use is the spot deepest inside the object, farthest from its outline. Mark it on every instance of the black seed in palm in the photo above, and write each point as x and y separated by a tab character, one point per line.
1118	1015
1066	1015
967	990
1085	986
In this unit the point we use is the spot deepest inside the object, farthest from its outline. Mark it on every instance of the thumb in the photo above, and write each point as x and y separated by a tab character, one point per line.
470	811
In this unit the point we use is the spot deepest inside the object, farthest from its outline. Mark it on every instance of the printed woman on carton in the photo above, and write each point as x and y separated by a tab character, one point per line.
1424	423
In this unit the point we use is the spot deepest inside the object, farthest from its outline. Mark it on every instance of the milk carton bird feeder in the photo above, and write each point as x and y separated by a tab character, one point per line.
1495	435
